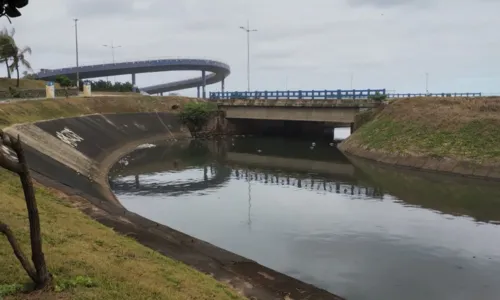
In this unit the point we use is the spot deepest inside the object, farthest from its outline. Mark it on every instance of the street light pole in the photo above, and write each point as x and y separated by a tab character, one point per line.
248	30
427	83
112	46
77	67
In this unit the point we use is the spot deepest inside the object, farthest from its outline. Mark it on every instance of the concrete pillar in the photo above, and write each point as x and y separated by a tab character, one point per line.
222	86
352	128
198	90
133	82
204	79
161	94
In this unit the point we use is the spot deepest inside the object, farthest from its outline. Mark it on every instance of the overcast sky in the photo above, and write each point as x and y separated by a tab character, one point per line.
315	44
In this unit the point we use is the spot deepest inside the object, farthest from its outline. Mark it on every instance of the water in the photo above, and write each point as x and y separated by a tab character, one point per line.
358	230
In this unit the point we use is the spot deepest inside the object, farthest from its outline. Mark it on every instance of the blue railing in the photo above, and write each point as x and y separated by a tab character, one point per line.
410	95
325	94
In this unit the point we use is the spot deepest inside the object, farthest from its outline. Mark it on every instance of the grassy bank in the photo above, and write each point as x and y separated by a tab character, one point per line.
456	128
89	260
36	110
24	84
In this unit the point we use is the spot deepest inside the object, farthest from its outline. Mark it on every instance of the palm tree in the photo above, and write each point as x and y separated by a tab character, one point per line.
19	58
7	45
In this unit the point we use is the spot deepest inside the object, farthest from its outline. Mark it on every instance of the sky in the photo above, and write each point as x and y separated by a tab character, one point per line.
298	45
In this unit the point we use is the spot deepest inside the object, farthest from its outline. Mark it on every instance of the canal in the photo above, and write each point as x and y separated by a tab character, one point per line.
355	228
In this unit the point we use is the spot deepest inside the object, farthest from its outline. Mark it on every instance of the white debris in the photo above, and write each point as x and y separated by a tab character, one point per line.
146	146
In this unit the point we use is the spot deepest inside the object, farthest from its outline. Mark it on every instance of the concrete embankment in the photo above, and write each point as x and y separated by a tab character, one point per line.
451	135
74	156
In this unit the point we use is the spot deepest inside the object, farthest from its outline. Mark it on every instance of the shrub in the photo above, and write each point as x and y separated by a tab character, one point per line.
63	81
14	93
197	114
378	97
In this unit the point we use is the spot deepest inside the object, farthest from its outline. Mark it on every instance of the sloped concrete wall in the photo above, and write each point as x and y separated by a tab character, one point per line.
85	148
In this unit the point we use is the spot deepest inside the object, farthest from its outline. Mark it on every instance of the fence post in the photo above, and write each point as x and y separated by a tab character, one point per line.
353	94
288	95
300	94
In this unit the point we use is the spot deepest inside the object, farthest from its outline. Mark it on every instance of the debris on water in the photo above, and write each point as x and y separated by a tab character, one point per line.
259	150
313	144
312	148
331	144
146	146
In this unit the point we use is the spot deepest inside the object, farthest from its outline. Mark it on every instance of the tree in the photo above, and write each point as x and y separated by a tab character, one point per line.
28	75
64	81
7	45
19	58
17	164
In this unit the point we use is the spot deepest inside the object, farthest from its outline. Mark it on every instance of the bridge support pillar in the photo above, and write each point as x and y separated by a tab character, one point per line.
204	78
133	82
352	128
198	91
222	86
161	94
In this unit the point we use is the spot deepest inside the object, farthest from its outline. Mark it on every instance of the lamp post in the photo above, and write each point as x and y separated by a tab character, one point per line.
427	83
248	30
77	67
112	47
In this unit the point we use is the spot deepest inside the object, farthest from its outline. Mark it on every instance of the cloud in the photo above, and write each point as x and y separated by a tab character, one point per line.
385	43
390	3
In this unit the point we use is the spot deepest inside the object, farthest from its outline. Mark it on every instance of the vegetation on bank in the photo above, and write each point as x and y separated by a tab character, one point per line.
195	115
98	86
31	111
24	84
87	259
458	128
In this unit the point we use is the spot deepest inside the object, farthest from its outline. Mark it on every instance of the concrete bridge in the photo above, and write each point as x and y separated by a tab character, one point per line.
292	116
338	111
211	72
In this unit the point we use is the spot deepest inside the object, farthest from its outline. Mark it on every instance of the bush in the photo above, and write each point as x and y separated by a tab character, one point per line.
63	81
197	114
378	97
14	93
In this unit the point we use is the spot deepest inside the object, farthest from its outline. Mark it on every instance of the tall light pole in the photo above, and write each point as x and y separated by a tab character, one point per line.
77	67
112	47
248	30
427	83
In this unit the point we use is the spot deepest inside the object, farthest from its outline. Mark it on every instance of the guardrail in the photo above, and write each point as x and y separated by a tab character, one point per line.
410	95
324	94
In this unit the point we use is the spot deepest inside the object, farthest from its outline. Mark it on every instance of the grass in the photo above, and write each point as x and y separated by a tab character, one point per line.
24	84
87	259
36	110
463	129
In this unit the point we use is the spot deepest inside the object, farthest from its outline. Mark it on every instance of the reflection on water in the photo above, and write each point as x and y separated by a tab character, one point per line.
349	226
